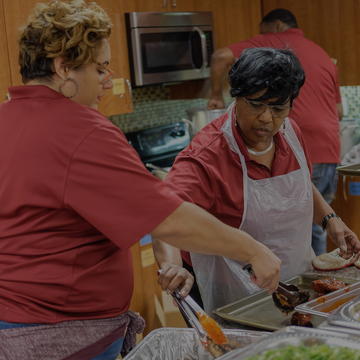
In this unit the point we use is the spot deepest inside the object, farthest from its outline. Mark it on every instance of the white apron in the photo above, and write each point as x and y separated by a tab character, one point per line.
278	212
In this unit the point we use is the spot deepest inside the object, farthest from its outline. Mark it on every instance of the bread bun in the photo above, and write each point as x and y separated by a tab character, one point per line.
332	261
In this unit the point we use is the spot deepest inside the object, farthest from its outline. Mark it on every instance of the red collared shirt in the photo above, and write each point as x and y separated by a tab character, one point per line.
209	174
74	198
314	110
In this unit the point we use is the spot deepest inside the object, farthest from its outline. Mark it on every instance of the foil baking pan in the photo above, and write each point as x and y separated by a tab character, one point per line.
328	304
179	343
259	311
296	336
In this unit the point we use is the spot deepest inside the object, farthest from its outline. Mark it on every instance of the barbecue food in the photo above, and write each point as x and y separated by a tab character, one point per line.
212	329
287	304
299	319
325	286
332	261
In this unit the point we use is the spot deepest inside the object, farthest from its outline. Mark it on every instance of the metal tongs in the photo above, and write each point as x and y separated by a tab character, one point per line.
287	296
189	310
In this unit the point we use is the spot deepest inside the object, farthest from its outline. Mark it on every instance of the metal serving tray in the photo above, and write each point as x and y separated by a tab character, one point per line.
259	311
297	336
325	305
347	316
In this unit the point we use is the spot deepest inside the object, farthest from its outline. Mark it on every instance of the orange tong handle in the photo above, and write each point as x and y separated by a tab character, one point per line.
212	329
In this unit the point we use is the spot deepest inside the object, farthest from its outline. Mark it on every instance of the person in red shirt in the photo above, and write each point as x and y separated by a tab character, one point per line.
250	169
75	196
317	110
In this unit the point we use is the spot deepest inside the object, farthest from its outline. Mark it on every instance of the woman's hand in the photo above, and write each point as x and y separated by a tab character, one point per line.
266	268
173	277
343	237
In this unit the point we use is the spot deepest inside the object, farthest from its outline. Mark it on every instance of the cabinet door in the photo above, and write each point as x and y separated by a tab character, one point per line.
5	78
151	5
14	19
234	20
181	5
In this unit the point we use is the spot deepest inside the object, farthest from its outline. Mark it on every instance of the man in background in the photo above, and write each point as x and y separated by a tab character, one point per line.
317	109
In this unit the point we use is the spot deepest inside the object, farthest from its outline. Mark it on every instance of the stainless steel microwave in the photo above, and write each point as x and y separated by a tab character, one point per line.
169	46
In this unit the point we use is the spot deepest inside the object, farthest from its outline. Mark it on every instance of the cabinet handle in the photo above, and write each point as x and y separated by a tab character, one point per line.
164	4
173	3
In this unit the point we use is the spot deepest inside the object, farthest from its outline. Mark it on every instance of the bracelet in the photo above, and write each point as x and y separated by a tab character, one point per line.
326	219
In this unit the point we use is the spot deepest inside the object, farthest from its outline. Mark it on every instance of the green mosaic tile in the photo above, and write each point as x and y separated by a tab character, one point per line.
352	95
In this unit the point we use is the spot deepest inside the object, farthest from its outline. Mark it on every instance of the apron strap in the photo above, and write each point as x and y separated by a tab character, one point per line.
70	340
98	347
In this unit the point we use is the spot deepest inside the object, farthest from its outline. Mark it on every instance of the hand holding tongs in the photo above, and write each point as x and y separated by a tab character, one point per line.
287	296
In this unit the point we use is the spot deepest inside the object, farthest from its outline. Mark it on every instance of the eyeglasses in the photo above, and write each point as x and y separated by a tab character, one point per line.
258	107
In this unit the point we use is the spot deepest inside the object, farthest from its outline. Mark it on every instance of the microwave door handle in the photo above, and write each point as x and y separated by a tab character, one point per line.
203	47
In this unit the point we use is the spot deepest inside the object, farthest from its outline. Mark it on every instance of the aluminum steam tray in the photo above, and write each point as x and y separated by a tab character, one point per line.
296	336
176	343
325	305
259	311
347	316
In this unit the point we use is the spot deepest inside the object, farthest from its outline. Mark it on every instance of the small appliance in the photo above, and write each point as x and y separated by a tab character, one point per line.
169	46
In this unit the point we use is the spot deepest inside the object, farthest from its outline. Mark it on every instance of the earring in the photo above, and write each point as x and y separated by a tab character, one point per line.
69	82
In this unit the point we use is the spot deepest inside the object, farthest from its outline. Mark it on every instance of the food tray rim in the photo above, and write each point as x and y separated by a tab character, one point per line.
276	340
333	296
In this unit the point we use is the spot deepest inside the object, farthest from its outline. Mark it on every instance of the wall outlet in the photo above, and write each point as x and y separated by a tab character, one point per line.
118	86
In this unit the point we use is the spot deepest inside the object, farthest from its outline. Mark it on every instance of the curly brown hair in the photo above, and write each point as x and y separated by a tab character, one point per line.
70	29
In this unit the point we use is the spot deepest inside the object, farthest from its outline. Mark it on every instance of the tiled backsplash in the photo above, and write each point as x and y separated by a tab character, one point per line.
351	101
152	107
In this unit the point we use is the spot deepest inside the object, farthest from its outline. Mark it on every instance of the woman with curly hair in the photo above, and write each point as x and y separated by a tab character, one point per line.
75	196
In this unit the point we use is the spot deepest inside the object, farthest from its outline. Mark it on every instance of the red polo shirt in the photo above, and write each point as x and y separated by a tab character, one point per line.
314	109
74	198
209	174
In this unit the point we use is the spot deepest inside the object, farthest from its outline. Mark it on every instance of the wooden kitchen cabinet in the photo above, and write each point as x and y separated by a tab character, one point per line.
164	5
14	19
234	20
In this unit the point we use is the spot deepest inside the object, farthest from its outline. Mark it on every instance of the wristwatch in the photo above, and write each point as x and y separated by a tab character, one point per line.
326	219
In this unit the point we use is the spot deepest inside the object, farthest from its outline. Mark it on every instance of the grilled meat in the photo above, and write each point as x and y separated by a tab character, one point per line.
299	319
325	286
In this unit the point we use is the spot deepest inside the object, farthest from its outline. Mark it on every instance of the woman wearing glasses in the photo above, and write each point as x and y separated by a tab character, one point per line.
249	168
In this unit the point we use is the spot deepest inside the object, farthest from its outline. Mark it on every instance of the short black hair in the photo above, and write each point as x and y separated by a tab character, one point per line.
278	71
283	15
